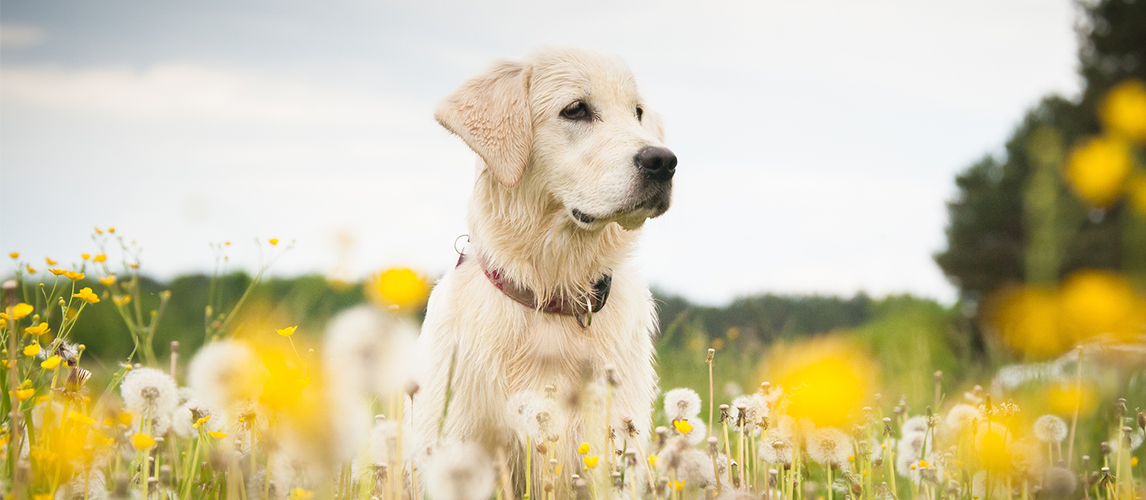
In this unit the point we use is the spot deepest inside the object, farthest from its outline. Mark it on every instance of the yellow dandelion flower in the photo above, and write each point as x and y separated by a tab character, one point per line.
87	295
677	485
125	417
121	300
111	230
217	435
200	422
583	449
591	461
80	418
74	275
827	379
39	329
85	256
32	350
653	461
1098	169
31	270
401	287
923	464
100	257
108	280
55	271
51	363
24	394
49	261
1123	110
3	323
142	441
1101	303
273	241
19	311
288	331
14	255
682	426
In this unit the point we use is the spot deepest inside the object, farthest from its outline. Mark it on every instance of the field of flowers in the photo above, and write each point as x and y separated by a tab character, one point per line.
258	412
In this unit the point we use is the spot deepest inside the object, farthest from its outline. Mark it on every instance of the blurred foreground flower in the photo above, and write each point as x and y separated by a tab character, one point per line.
399	287
1123	110
1098	169
825	379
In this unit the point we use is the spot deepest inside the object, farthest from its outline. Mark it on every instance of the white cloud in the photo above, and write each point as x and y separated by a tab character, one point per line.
180	90
14	36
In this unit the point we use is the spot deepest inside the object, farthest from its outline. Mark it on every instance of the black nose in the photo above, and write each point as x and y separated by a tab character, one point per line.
657	163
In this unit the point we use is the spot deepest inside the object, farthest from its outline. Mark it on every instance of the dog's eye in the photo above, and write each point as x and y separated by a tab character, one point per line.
640	113
577	111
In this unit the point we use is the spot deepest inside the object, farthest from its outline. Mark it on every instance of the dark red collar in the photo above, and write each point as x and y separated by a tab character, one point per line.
581	308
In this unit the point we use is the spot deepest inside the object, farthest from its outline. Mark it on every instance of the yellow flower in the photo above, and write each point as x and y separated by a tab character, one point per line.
97	230
583	449
56	271
288	331
31	270
51	363
80	418
200	422
401	287
14	255
591	461
682	426
217	435
24	394
86	256
1098	169
1123	110
677	485
826	379
300	494
74	275
100	257
86	295
39	329
111	230
19	311
120	301
142	441
1101	303
3	323
108	280
32	350
923	464
653	461
274	241
49	261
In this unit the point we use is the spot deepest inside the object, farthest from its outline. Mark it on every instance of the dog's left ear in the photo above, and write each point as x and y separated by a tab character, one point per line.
491	113
654	124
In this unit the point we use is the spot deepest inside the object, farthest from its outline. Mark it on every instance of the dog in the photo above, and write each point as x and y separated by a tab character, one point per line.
571	163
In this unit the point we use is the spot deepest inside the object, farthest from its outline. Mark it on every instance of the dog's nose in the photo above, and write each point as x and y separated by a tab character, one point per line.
658	163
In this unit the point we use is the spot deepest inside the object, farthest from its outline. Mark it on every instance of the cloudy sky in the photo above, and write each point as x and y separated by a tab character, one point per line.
818	140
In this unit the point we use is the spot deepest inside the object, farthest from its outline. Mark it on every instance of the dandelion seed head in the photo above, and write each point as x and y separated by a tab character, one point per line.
459	471
962	416
1050	429
191	411
829	446
225	373
370	352
149	391
914	424
682	403
1060	482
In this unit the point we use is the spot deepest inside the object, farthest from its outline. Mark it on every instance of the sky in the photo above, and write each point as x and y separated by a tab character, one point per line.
818	140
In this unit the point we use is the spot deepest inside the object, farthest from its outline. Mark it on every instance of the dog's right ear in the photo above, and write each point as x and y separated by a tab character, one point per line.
491	113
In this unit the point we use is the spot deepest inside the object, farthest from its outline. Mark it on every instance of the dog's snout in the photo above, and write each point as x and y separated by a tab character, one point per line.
658	163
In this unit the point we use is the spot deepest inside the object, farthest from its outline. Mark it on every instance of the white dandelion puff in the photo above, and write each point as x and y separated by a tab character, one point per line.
383	444
149	391
1050	429
829	446
908	451
84	485
776	445
962	416
369	351
225	373
459	471
534	416
917	423
697	434
682	403
190	412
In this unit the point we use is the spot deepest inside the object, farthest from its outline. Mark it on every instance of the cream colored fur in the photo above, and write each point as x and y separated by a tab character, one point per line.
534	169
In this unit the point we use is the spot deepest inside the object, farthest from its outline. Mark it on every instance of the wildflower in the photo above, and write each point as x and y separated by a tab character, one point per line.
829	446
142	441
149	391
76	379
1101	302
300	494
459	471
962	416
583	449
383	444
682	426
775	445
1097	170
1059	482
273	241
223	374
49	261
1050	429
401	287
24	394
653	460
19	311
682	403
100	257
370	352
87	295
824	379
80	418
30	269
51	363
993	445
121	300
1123	110
85	256
32	349
591	461
217	435
39	329
192	415
288	331
56	271
14	255
909	449
108	280
74	275
677	485
111	230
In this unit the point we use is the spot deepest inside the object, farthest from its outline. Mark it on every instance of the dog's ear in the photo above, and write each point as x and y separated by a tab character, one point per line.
654	124
491	113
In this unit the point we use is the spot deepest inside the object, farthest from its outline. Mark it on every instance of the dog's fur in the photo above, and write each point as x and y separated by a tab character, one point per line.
556	205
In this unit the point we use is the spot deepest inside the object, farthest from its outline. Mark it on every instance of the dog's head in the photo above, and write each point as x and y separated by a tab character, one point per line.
572	124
